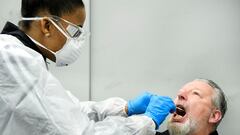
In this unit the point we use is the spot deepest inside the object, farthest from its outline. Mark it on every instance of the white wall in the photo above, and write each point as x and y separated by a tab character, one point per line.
9	12
158	45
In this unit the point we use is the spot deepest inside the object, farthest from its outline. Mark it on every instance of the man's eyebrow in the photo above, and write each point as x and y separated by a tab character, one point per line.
196	89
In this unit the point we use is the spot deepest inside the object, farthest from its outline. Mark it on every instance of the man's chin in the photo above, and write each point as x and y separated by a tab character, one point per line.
178	128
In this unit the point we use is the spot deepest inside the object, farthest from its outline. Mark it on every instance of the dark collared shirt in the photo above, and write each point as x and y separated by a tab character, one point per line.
11	29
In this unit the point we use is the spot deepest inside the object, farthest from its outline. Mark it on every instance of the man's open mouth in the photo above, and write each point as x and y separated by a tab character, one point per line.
180	110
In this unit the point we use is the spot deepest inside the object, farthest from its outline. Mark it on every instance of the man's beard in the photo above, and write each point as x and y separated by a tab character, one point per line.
181	128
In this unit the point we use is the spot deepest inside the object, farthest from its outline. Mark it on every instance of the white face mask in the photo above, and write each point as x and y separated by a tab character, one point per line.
71	50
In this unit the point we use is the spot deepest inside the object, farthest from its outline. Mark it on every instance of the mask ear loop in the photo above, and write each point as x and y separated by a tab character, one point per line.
39	44
36	19
32	18
40	18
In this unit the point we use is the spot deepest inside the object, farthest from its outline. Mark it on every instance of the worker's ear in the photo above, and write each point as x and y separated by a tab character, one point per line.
45	25
215	117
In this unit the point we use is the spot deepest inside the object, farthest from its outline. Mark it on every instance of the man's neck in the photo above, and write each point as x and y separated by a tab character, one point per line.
202	132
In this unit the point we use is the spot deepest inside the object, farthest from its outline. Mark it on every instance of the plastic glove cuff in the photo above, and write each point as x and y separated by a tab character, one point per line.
130	111
153	118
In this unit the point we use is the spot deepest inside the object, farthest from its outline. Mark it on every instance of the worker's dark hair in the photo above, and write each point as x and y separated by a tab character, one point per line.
31	8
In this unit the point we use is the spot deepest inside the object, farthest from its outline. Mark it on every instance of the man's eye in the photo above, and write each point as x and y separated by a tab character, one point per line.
196	93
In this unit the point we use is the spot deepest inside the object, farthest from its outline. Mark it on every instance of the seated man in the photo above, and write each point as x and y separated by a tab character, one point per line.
201	105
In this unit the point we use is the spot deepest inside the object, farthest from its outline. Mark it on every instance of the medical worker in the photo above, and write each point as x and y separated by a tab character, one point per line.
32	100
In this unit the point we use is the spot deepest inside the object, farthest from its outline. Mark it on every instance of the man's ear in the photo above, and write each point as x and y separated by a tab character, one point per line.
45	26
215	117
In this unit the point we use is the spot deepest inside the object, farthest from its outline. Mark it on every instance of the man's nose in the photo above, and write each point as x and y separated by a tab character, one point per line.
182	96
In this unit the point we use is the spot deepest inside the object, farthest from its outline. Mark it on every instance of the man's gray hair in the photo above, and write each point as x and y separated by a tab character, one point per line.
219	99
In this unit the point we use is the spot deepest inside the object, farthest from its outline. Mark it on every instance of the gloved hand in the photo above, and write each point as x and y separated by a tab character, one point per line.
139	104
158	109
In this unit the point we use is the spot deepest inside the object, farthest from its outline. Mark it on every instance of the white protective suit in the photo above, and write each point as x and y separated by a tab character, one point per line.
33	102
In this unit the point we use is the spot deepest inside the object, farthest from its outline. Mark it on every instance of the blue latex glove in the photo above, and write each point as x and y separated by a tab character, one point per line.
158	109
139	104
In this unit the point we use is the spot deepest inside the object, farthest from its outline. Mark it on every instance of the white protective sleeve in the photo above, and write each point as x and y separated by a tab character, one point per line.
33	102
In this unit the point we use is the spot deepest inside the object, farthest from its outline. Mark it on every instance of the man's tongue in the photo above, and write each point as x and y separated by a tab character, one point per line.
178	118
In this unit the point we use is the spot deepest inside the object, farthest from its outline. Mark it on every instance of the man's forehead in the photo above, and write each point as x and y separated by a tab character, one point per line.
199	85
